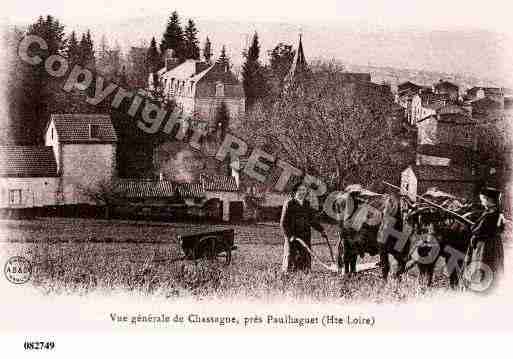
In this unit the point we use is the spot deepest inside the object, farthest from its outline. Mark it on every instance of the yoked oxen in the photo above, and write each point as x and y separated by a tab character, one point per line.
439	234
365	214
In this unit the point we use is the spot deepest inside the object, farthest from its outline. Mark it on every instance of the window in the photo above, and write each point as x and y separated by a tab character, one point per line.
220	89
14	197
94	131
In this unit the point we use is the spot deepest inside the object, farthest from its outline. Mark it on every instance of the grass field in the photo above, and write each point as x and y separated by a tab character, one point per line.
83	256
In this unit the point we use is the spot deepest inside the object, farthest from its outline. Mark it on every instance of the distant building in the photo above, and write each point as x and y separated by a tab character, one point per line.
409	87
455	129
458	181
447	88
199	89
475	93
487	109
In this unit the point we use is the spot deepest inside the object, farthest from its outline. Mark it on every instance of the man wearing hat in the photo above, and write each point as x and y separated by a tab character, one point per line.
486	243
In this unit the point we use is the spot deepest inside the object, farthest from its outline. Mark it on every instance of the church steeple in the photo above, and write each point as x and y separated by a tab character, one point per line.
299	66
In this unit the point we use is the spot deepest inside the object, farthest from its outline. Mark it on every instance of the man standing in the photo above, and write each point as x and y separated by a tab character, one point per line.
297	218
485	257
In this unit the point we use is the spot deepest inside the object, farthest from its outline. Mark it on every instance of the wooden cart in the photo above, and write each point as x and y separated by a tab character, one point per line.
217	245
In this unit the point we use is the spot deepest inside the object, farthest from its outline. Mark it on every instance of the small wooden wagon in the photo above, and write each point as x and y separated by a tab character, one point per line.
216	245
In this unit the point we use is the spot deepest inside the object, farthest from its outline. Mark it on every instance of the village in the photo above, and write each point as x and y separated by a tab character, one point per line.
439	128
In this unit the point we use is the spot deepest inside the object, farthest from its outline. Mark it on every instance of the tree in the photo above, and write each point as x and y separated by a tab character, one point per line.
38	90
73	49
253	79
280	60
333	131
103	53
109	60
207	51
138	69
223	59
104	193
191	43
173	37
87	50
153	59
51	30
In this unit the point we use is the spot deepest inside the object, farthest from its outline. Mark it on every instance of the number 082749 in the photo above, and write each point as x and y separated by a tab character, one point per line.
39	345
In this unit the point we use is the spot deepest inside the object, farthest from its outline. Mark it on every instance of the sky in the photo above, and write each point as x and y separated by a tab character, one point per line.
494	15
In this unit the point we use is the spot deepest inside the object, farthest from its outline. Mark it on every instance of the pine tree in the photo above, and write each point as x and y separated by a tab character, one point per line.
207	51
103	53
253	79
52	32
73	49
86	48
90	49
173	37
40	93
191	43
223	59
153	59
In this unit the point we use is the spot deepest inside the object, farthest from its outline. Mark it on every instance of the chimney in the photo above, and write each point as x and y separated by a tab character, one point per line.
171	60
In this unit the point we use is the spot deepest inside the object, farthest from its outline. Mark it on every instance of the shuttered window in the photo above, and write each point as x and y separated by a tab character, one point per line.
14	197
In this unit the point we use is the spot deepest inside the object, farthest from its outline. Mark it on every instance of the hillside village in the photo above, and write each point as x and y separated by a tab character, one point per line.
442	135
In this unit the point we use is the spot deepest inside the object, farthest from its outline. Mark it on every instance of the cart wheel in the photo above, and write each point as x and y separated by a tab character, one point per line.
214	249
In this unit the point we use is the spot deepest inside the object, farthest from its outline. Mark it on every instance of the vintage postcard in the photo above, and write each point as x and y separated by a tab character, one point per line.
240	167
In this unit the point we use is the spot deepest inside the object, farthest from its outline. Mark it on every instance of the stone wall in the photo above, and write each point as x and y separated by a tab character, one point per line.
35	191
84	166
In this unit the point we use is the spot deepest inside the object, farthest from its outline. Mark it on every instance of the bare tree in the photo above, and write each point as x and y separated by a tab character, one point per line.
104	193
336	130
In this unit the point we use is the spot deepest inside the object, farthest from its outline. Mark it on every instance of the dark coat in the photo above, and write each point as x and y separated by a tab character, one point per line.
297	221
486	242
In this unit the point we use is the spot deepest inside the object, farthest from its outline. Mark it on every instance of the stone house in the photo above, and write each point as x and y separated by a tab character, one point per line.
79	154
28	177
458	181
456	129
84	146
199	88
447	88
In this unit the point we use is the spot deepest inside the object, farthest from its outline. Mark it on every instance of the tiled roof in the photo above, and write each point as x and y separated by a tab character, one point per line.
457	119
27	161
74	128
218	183
145	189
493	91
454	152
445	84
442	173
190	190
451	109
407	86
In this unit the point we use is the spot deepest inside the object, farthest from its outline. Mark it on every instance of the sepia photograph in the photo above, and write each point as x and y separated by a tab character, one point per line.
241	166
